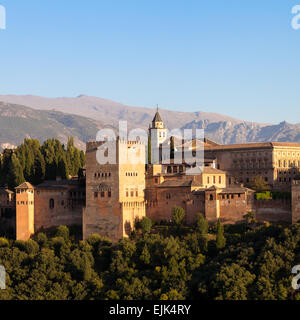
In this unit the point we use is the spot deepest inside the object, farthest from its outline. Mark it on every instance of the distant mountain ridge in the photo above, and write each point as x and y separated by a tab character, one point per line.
83	116
111	112
19	122
231	133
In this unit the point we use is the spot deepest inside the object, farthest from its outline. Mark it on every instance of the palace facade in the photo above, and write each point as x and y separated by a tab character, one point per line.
277	163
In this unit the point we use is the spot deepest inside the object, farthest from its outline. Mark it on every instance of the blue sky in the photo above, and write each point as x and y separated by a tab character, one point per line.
239	58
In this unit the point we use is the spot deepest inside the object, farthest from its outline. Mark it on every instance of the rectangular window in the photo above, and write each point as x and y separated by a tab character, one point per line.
96	195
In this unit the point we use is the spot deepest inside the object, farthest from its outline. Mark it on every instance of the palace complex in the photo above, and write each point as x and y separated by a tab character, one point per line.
113	195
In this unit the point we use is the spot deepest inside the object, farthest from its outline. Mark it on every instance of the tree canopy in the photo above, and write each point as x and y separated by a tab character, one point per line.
252	264
35	163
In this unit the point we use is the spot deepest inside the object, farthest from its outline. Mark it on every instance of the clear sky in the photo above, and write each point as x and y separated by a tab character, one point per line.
236	57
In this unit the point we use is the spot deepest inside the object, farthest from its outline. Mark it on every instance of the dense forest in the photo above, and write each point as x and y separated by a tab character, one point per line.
166	261
35	163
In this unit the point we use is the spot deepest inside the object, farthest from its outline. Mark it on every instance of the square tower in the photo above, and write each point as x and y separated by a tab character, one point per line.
115	189
24	211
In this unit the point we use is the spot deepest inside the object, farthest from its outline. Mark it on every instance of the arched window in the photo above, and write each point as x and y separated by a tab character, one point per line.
211	197
51	203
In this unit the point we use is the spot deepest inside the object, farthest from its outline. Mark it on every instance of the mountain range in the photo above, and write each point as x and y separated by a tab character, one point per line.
38	117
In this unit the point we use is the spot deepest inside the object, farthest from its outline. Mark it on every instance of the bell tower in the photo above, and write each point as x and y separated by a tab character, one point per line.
158	135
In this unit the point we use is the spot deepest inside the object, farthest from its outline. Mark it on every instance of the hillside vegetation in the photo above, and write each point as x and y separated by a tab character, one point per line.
167	262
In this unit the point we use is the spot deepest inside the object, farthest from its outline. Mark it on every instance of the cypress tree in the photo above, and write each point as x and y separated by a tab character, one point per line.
202	225
145	256
48	151
82	159
220	239
76	163
6	158
38	169
62	169
15	176
28	170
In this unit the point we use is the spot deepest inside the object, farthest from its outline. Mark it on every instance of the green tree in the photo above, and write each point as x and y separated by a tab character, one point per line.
62	168
48	150
63	231
15	175
145	255
82	159
259	184
146	224
220	239
232	282
202	225
39	169
178	215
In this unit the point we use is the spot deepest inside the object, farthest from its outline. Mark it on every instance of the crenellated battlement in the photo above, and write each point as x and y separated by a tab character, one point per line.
91	145
133	204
